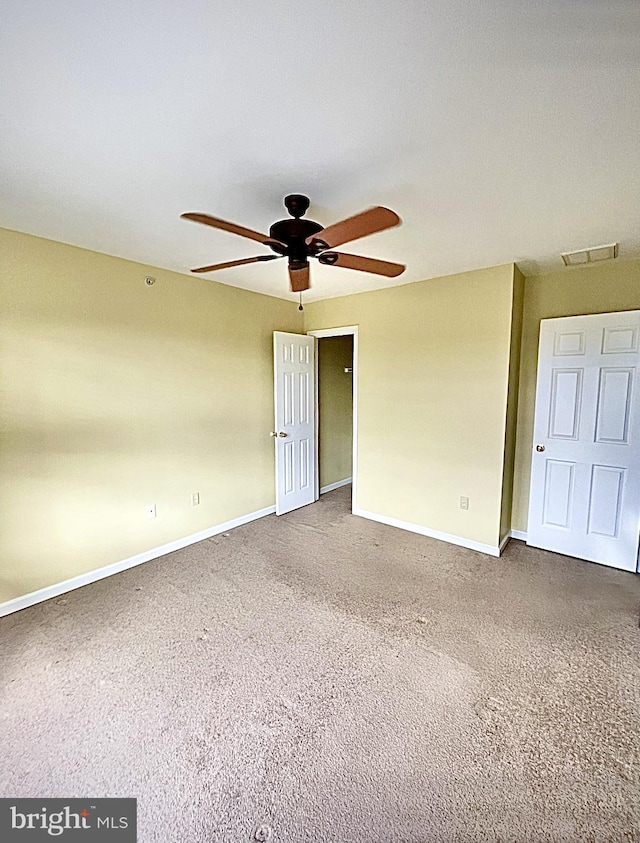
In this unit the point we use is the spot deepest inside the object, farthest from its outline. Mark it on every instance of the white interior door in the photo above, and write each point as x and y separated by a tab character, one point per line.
585	472
294	432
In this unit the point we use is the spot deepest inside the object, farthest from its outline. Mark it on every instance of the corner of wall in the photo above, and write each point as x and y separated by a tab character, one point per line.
517	309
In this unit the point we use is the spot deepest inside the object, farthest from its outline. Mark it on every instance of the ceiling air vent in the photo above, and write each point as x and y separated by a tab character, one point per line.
590	255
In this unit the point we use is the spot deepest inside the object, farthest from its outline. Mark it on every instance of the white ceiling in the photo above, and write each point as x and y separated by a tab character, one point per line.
501	130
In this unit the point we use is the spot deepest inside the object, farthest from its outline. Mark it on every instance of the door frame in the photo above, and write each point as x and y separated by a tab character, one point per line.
344	331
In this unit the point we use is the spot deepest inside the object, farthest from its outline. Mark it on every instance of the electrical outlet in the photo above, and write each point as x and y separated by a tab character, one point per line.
151	510
464	503
195	498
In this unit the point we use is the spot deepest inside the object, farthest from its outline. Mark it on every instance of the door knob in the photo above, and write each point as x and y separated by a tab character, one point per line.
540	448
281	434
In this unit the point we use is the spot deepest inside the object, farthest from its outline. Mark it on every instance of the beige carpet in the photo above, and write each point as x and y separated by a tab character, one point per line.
319	677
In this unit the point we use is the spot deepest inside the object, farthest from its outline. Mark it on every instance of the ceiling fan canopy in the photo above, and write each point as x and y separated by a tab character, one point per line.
299	239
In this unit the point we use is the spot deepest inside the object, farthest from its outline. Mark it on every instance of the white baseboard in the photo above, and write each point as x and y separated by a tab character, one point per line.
333	486
100	573
504	542
491	550
518	534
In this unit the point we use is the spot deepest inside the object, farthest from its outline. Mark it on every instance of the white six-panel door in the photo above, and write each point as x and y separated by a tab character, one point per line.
585	472
294	432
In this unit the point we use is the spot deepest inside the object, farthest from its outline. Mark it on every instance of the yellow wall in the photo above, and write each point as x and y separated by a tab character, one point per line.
335	388
598	288
433	371
116	395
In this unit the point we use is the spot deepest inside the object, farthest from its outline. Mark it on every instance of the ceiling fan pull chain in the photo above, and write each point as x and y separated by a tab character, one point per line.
300	307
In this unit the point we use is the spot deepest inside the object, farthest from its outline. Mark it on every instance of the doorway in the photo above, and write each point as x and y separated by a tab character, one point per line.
336	397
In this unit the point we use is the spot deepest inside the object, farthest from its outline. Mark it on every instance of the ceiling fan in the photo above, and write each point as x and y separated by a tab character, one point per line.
298	240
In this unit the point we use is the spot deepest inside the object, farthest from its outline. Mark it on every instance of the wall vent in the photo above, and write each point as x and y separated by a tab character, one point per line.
590	255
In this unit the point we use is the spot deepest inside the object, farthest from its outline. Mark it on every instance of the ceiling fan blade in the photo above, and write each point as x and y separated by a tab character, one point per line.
299	279
368	222
378	267
241	262
214	222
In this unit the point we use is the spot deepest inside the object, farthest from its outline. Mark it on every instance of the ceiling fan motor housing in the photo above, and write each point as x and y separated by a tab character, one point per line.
294	232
